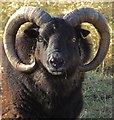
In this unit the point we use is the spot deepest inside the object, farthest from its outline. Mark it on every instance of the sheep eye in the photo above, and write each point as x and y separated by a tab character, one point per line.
40	39
73	40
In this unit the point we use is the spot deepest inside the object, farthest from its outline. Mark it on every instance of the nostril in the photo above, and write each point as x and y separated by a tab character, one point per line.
53	62
60	62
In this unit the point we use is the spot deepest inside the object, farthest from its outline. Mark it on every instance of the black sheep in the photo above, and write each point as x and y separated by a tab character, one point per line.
45	66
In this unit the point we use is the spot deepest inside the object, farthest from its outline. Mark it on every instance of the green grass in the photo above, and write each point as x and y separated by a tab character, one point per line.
97	91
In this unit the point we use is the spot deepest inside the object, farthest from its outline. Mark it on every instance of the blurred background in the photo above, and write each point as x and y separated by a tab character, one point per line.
97	87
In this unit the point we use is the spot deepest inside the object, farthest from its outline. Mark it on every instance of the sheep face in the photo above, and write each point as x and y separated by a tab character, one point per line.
57	47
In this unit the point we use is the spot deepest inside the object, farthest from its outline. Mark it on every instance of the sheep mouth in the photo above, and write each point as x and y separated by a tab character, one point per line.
54	71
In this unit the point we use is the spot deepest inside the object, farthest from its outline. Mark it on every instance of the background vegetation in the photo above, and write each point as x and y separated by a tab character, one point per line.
97	88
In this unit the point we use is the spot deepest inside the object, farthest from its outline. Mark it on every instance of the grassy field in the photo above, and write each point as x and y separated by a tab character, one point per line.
97	91
97	87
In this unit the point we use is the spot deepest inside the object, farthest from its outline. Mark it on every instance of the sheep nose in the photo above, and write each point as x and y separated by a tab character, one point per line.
56	60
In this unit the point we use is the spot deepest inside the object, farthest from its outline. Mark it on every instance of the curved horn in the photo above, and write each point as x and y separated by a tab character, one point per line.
24	14
89	15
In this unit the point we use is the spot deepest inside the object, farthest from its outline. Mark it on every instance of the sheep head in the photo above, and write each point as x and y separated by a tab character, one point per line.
54	37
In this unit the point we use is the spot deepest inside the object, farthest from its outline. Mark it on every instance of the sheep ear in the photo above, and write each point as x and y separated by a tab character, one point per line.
32	33
81	32
84	33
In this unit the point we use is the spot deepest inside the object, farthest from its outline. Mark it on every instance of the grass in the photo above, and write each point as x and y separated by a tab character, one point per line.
97	87
97	92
